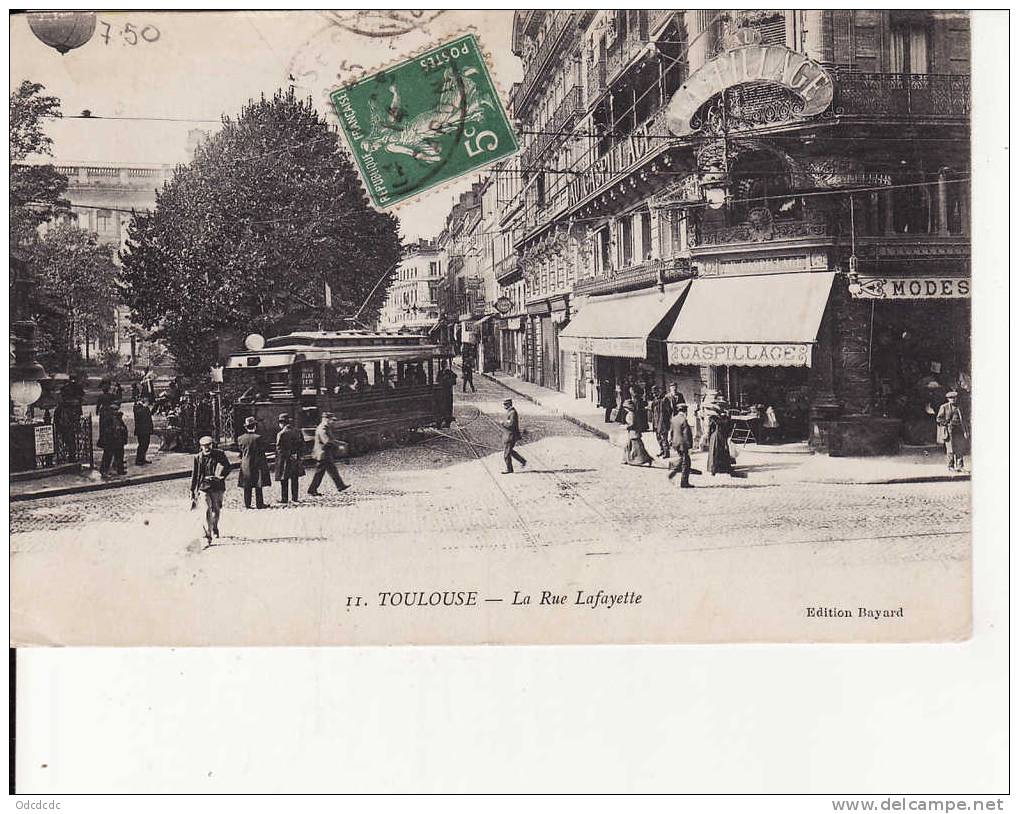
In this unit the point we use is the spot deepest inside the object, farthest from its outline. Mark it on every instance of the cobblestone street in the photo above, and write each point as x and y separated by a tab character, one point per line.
439	514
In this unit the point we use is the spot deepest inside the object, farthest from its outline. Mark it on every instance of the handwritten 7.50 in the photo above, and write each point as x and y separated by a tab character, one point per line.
129	33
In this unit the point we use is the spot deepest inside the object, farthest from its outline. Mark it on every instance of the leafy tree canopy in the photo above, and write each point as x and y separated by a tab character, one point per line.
36	189
76	288
245	236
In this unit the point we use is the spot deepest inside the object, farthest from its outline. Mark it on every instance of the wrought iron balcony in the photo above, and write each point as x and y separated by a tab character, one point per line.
565	113
623	51
905	96
507	269
762	228
648	138
657	17
537	62
641	275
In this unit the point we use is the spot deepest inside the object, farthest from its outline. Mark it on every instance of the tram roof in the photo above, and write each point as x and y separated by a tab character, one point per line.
346	339
344	346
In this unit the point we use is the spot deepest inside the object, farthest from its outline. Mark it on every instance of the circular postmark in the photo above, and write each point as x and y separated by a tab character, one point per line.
380	22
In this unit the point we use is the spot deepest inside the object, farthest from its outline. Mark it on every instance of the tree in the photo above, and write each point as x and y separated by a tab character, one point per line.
36	189
76	280
245	237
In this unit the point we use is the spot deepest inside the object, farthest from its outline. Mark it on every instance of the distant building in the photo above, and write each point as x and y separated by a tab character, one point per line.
102	197
412	302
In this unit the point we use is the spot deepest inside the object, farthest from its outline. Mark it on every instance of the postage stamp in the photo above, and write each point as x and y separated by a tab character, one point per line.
424	121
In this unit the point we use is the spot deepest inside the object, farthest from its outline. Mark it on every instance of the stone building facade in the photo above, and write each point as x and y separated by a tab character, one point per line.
412	302
102	197
769	196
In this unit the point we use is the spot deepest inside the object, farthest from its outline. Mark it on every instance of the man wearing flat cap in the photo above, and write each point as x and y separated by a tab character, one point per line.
324	454
952	432
254	473
510	435
208	476
289	449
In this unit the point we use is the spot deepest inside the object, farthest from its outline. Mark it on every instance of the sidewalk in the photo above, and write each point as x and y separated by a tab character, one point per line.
763	465
163	466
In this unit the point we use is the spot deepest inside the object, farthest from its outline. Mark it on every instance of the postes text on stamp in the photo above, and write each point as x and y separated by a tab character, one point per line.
425	121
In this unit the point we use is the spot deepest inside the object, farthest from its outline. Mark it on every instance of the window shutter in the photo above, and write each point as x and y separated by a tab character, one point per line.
773	31
866	27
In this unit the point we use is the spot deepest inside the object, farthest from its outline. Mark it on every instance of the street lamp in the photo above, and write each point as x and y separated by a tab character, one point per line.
27	375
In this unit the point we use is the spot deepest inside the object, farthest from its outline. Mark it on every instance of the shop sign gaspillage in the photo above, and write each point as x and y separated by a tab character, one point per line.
914	288
635	348
748	354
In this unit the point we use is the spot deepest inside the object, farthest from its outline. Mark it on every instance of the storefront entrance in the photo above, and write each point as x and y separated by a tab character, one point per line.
920	350
784	389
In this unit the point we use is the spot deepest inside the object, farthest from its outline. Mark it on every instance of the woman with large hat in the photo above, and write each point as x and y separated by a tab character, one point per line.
636	453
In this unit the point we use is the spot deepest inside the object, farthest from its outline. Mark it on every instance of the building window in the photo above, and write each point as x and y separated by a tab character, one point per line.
625	242
910	48
104	222
645	235
603	255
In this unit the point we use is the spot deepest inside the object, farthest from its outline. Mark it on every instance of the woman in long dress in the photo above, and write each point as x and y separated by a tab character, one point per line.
636	453
719	460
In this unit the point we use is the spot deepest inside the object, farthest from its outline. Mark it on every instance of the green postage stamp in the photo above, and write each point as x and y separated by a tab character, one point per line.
422	122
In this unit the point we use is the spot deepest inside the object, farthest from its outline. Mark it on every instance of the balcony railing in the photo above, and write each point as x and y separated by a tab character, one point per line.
648	138
895	95
506	269
535	68
763	230
553	130
623	51
657	18
641	275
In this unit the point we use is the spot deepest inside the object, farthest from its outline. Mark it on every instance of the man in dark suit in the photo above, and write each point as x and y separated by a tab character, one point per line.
672	400
254	469
468	373
105	399
446	381
510	435
112	439
142	429
324	454
289	450
682	442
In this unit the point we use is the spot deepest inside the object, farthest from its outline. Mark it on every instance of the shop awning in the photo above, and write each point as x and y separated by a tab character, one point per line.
760	320
619	325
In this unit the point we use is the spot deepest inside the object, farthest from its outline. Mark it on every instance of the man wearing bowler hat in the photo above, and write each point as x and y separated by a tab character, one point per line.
510	435
324	454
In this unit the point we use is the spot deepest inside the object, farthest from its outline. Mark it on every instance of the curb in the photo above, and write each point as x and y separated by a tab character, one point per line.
830	482
62	491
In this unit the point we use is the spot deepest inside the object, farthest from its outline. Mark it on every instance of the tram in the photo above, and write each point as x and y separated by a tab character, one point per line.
380	386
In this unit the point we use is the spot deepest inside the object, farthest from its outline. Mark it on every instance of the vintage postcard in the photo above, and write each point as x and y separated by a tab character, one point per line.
464	327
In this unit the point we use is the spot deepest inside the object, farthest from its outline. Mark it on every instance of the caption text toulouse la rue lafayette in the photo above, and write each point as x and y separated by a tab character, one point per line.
466	599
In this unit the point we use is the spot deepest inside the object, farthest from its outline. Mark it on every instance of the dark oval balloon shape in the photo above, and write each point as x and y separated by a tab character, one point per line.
63	30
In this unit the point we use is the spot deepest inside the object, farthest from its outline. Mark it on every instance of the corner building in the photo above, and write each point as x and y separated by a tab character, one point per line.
772	205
